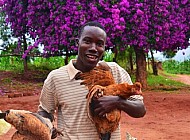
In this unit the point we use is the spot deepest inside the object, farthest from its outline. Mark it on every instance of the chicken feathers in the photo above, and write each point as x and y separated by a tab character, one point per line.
100	82
28	124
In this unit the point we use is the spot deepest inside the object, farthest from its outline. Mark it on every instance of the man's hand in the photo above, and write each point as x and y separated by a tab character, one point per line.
54	131
116	96
105	104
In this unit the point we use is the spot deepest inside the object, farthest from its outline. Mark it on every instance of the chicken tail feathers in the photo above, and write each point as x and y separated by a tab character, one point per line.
106	136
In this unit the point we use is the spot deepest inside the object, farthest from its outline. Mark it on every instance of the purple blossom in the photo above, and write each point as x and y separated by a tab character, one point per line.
1	3
160	25
124	3
139	12
184	2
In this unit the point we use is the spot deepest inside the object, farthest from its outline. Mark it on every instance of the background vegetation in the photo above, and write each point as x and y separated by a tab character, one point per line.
41	24
39	67
176	67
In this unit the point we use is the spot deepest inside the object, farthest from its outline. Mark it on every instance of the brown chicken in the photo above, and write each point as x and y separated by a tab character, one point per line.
100	82
30	126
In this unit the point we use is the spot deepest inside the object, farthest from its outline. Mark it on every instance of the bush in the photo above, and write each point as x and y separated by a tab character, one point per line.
176	67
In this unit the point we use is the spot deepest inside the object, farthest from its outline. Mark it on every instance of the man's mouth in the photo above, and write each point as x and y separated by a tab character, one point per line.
92	57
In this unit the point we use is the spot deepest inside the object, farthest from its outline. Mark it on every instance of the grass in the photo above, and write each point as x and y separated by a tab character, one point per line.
156	83
11	83
176	67
163	82
40	67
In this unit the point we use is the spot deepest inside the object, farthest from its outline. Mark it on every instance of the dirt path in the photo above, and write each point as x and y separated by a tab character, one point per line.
167	117
182	78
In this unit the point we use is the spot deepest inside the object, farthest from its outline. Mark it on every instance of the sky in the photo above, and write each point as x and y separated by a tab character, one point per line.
181	55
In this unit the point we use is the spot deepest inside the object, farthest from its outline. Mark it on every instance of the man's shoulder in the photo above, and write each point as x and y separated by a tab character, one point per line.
110	64
58	71
116	68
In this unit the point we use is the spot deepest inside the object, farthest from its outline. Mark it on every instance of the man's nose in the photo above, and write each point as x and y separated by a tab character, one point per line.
93	47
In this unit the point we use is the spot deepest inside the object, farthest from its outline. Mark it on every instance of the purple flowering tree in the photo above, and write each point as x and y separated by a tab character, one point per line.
157	25
16	12
142	24
171	26
5	35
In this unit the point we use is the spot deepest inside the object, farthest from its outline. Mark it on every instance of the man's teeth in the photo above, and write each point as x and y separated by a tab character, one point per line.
91	56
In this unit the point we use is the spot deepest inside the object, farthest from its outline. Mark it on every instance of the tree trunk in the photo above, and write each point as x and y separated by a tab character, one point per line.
154	66
115	51
66	57
25	59
131	61
148	62
141	72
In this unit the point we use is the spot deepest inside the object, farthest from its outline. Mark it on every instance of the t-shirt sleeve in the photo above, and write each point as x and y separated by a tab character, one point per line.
121	76
48	96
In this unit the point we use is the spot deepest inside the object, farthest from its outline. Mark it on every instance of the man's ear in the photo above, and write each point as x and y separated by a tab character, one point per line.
77	42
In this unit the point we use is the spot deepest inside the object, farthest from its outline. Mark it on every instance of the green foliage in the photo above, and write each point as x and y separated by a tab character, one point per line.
176	67
5	32
13	63
108	56
161	80
163	83
122	58
169	54
46	63
72	57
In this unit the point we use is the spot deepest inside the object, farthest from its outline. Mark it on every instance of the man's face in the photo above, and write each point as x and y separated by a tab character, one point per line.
91	47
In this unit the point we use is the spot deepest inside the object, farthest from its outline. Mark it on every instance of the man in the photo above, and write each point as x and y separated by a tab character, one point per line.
63	92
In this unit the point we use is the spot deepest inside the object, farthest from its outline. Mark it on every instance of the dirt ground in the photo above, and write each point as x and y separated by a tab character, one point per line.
167	116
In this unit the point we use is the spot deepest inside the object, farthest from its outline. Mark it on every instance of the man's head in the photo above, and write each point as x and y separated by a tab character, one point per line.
91	43
91	23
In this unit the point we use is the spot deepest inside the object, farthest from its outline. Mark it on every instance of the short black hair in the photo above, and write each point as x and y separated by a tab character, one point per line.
91	23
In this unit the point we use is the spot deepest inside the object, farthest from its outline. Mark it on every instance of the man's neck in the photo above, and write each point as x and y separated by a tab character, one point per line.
82	68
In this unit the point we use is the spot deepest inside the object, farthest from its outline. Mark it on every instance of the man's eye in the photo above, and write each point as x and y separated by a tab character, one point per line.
87	41
100	44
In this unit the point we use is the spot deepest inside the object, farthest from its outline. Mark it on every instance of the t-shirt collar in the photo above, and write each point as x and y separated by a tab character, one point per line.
72	70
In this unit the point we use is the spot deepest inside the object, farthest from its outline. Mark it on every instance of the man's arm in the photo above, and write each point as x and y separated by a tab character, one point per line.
134	108
105	104
45	114
50	116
